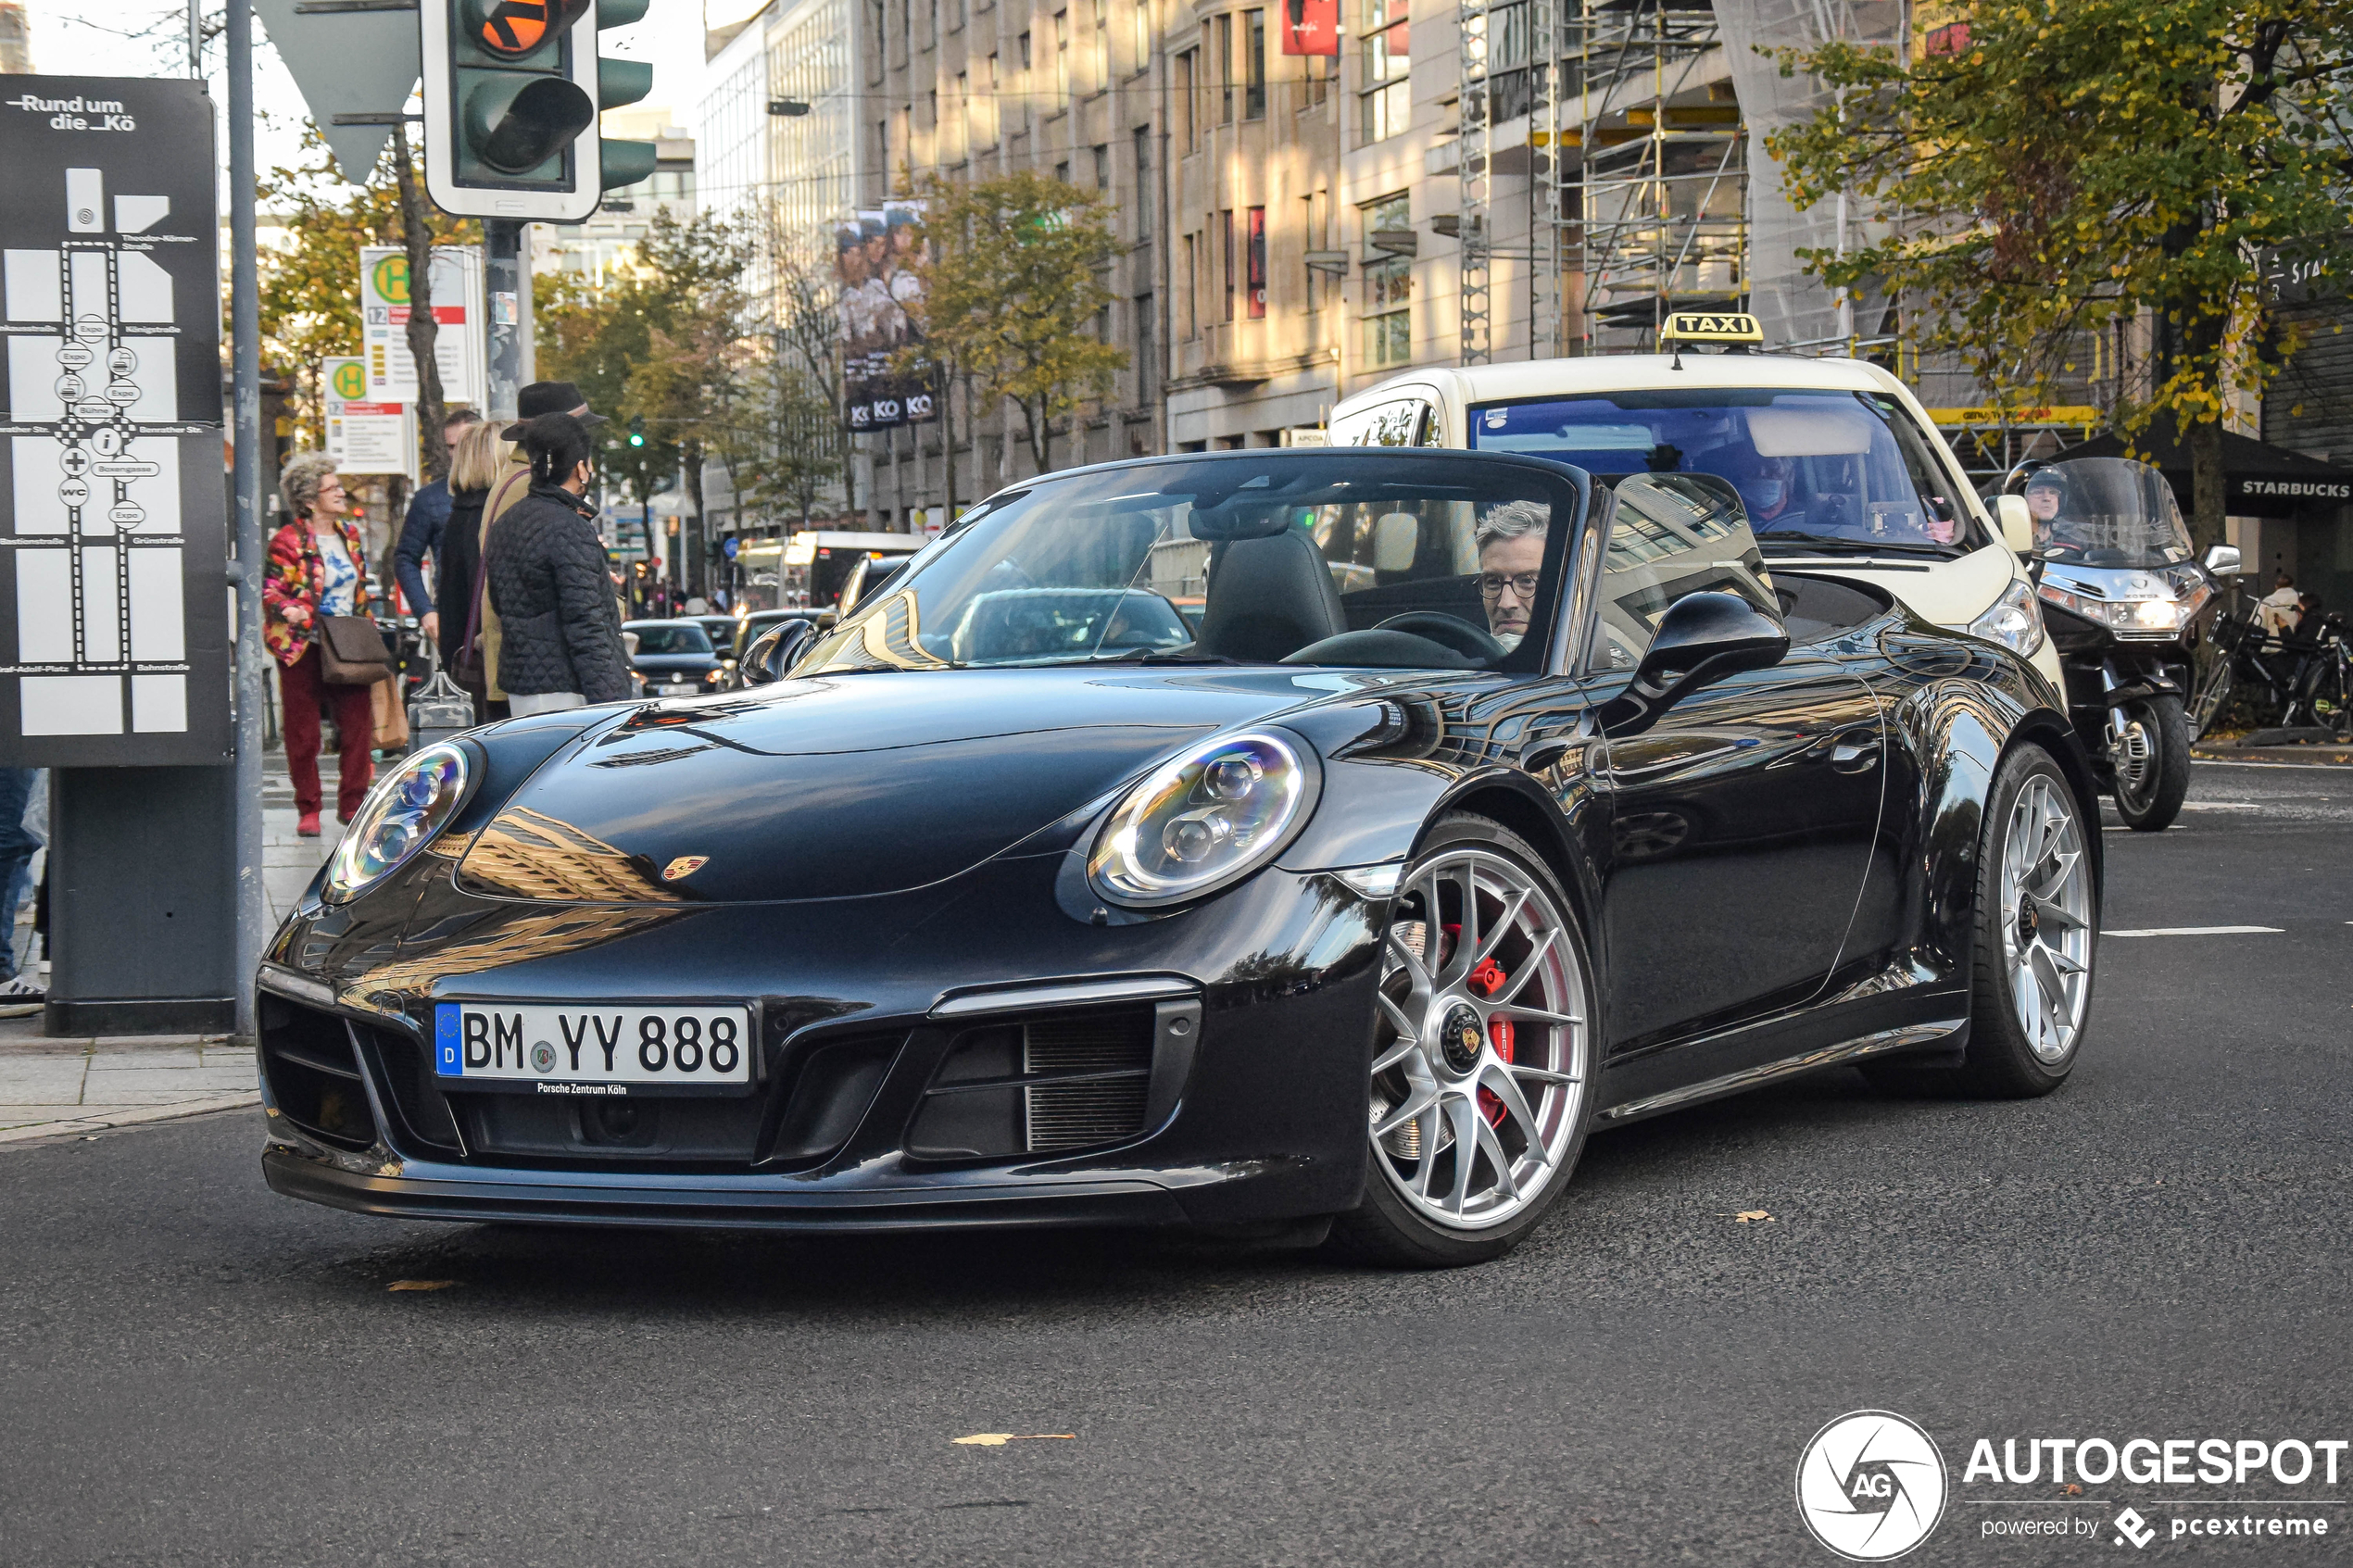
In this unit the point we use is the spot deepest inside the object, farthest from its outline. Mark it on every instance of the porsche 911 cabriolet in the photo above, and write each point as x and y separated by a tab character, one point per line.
1299	843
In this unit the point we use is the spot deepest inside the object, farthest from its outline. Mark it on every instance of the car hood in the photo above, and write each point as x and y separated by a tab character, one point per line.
840	786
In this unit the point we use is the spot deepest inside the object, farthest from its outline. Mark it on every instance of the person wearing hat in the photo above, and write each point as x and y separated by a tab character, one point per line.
548	579
540	398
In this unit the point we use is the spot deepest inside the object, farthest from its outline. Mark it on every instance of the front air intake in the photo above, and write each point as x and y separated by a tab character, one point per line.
1115	1051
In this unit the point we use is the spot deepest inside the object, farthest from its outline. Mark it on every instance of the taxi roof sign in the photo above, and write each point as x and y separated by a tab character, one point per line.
1711	326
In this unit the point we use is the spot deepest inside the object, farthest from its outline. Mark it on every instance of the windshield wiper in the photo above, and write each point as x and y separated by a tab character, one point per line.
1164	655
1847	545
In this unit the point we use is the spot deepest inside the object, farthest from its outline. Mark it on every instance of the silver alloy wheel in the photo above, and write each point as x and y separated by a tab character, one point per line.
1465	1132
2046	934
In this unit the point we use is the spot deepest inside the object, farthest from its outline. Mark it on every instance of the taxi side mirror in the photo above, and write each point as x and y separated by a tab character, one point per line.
2018	524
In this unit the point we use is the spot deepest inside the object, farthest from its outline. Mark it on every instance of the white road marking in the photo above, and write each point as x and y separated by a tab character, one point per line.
2231	762
2222	804
2205	931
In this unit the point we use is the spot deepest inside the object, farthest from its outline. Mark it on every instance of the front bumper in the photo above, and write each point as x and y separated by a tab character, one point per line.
867	1006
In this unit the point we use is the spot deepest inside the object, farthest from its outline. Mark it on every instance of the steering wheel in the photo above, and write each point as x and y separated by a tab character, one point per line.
1449	630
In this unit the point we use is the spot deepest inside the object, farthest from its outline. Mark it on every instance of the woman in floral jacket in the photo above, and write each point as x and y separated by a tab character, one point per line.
317	567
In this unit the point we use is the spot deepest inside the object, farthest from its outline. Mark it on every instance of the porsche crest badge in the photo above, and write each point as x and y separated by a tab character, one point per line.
685	865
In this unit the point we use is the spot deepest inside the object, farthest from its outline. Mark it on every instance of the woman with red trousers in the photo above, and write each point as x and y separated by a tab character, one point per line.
317	568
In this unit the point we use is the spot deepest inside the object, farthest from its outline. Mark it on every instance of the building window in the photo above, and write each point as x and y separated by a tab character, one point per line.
1062	60
1187	107
1143	24
1102	169
1257	259
1147	363
1191	296
1062	174
1388	102
1145	198
1388	286
1224	65
1102	44
1254	65
1225	250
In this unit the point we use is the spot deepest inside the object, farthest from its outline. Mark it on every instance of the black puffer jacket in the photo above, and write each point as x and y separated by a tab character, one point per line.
560	629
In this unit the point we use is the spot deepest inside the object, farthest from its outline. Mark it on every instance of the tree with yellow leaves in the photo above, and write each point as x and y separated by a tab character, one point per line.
2051	169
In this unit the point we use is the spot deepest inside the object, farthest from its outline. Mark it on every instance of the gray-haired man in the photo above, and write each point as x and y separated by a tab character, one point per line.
1510	553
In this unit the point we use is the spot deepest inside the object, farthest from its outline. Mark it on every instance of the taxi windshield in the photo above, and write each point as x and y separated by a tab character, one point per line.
1338	557
1827	471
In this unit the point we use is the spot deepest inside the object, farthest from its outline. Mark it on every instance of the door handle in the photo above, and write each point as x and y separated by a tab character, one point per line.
1857	752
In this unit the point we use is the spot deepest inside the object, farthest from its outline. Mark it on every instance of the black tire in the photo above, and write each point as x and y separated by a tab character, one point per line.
2000	1062
2152	804
1384	1228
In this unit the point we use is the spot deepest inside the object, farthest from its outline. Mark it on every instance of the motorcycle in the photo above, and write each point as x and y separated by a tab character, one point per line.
2126	603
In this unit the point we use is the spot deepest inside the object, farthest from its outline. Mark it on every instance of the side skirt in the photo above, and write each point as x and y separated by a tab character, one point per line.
1909	1038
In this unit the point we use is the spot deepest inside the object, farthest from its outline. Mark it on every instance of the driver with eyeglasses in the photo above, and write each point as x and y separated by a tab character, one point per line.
1511	557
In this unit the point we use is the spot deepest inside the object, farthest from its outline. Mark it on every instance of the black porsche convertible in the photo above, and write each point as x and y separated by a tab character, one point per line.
1279	841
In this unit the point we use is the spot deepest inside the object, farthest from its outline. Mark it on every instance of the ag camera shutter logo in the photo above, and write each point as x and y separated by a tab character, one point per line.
1871	1485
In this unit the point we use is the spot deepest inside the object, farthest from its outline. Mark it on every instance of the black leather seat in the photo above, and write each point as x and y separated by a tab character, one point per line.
1269	598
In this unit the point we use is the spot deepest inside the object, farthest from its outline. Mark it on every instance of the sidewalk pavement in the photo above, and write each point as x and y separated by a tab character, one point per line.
55	1087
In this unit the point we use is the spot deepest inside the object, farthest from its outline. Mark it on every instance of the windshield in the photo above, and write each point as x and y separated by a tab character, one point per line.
2105	511
1841	471
1335	557
661	636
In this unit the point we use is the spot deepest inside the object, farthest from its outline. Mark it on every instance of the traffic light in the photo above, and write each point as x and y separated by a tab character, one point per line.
636	430
512	91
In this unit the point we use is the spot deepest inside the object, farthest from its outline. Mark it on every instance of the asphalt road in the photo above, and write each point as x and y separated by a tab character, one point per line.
193	1371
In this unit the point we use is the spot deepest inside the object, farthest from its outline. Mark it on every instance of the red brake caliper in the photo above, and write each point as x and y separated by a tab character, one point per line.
1488	978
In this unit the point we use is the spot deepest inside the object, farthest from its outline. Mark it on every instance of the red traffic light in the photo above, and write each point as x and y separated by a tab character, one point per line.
512	29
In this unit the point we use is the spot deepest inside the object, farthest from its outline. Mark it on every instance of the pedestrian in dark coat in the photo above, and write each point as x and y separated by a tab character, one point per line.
420	532
548	580
474	467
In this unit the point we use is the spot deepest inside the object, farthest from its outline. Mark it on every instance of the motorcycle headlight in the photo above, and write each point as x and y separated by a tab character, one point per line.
1202	820
2014	620
406	807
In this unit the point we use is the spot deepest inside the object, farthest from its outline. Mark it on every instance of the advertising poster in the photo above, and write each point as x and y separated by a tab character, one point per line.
880	291
1311	27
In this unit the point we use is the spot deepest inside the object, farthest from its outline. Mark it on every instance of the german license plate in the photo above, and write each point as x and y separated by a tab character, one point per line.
679	688
557	1049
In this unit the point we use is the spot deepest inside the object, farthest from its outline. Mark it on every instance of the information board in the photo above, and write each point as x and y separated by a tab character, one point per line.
113	546
365	436
458	345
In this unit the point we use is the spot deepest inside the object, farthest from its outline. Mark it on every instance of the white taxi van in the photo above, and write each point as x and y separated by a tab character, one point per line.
1837	463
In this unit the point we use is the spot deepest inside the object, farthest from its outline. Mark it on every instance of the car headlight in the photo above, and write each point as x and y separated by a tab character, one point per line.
712	677
2014	620
404	810
1203	818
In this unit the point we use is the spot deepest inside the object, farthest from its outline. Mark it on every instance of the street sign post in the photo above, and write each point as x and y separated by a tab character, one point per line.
459	346
114	626
356	65
365	435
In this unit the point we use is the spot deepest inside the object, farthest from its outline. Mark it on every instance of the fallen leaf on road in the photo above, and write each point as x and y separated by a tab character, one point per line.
2071	1491
420	1285
999	1439
1754	1216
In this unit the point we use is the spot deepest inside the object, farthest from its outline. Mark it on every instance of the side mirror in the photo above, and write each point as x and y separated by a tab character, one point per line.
1702	638
770	656
2223	560
2018	524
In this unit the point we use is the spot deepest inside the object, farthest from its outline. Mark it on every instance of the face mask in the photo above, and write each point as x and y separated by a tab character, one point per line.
1509	639
1769	493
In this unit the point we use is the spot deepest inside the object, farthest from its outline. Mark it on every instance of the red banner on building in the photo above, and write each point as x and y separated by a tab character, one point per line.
1311	27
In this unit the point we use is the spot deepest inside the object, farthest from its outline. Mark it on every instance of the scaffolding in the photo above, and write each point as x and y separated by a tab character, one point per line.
1653	201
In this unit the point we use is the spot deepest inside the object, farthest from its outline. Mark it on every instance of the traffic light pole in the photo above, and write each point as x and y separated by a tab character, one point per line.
245	319
506	276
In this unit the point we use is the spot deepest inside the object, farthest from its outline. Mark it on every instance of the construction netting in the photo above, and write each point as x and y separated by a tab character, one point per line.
1795	307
